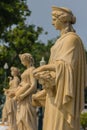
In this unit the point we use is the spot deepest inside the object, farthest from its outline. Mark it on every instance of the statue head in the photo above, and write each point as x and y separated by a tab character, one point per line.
15	71
63	16
26	58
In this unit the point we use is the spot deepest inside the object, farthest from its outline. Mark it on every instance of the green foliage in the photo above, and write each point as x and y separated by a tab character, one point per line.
83	120
23	39
20	40
12	12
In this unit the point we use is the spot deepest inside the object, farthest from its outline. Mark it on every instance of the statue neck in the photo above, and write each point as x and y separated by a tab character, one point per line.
67	29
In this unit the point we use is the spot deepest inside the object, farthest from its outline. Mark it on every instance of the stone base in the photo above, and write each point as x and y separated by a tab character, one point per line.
3	126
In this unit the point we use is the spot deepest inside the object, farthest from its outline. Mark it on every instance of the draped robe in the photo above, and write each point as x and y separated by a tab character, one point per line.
62	112
26	113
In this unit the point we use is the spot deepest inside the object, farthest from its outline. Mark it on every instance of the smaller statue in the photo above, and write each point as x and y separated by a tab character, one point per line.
10	107
26	113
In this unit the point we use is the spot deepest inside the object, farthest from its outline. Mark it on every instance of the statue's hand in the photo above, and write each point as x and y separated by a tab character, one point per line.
4	89
9	77
36	71
11	94
34	96
21	97
39	69
37	75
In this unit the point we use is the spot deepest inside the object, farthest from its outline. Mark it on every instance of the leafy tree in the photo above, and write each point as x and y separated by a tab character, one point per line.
83	120
12	12
20	40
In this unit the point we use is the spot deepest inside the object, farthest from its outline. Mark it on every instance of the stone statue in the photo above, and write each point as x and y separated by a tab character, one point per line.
63	79
26	113
10	107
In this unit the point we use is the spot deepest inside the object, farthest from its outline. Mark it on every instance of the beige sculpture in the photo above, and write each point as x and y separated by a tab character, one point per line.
26	113
10	107
64	77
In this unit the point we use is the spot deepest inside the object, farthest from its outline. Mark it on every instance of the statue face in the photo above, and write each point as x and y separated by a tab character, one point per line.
13	73
25	62
56	21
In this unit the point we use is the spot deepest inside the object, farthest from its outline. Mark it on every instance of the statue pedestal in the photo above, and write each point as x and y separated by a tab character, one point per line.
3	127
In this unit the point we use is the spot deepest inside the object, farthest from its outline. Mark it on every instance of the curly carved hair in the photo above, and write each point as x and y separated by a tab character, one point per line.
65	15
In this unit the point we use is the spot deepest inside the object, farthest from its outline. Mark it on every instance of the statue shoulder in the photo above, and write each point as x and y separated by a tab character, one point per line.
72	36
31	68
72	39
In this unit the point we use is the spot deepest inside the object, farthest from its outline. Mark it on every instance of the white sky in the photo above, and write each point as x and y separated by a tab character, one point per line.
41	16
